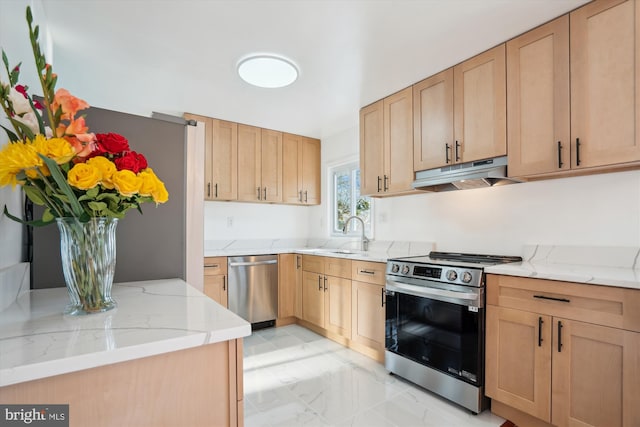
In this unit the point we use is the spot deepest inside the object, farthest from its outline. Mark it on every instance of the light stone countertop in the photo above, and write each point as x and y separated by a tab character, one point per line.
152	317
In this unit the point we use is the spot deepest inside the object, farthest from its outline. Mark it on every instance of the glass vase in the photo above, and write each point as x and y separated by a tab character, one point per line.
88	252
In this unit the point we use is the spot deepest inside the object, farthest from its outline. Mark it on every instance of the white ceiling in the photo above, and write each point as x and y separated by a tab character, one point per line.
175	56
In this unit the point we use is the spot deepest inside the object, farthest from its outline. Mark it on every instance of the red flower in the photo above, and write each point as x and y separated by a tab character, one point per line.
135	162
112	143
22	89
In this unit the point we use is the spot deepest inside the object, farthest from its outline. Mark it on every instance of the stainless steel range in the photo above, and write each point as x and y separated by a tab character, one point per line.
434	329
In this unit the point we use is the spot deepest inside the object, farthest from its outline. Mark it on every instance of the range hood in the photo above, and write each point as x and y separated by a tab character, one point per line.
463	176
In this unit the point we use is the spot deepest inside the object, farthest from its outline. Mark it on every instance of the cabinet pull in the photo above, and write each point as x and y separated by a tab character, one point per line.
382	296
446	152
319	282
265	194
325	283
212	266
559	336
367	272
560	155
552	298
379	181
298	258
259	193
540	322
216	190
457	151
306	198
208	189
300	196
577	151
224	283
386	185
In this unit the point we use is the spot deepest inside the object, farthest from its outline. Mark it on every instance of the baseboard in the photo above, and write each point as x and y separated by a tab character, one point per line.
517	417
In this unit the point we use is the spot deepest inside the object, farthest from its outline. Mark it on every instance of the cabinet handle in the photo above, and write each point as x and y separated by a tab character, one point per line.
265	194
540	322
224	283
215	190
382	296
319	282
457	151
212	266
259	193
552	298
379	181
208	189
298	258
577	151
560	155
447	147
559	336
367	272
325	283
300	196
306	199
386	185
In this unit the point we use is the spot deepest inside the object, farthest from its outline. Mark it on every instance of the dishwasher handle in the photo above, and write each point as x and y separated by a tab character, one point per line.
252	263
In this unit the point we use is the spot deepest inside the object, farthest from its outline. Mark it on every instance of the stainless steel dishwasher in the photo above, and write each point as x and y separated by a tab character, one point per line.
253	288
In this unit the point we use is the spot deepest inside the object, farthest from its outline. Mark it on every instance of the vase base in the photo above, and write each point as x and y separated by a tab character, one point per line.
79	310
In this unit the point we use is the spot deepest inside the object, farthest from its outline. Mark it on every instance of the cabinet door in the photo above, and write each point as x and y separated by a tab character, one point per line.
310	171
339	267
271	166
538	86
371	149
604	83
215	287
313	298
291	154
518	360
480	110
337	305
398	142
433	121
368	315
249	163
286	285
596	375
298	281
224	160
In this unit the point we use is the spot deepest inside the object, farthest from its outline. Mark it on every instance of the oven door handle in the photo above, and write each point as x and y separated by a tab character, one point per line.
421	291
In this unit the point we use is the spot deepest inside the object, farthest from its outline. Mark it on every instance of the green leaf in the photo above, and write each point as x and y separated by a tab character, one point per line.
14	75
29	15
97	206
47	216
93	192
109	196
64	187
35	223
6	62
12	136
34	194
38	116
19	126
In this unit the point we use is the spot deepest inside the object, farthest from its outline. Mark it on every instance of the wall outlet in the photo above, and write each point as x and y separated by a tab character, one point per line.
229	221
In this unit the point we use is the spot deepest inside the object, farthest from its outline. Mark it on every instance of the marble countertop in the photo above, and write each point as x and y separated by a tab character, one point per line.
152	317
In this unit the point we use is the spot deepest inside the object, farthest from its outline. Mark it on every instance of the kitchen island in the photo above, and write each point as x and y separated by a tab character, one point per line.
168	355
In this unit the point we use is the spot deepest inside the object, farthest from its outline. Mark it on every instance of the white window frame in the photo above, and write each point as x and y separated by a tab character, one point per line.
353	167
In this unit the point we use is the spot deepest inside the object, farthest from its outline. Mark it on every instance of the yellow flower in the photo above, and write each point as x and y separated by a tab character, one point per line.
126	182
84	176
57	149
15	158
152	186
107	169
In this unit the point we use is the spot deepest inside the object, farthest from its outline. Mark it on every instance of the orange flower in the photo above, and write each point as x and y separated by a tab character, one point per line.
77	126
70	104
82	149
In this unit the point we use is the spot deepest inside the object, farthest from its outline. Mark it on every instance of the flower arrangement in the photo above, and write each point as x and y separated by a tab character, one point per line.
58	163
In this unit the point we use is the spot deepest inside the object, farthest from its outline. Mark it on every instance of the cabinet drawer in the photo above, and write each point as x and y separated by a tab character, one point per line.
339	267
603	305
369	272
215	265
313	263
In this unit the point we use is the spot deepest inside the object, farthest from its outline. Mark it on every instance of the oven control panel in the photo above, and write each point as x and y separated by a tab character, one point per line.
440	273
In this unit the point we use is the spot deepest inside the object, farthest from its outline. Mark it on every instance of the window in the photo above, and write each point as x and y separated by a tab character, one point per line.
347	202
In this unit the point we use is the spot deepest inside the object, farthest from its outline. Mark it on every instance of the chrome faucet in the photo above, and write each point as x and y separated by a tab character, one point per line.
364	242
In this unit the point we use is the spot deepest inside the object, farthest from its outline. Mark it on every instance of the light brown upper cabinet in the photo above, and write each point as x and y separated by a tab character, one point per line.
300	170
460	113
538	100
259	164
580	66
604	83
221	158
386	145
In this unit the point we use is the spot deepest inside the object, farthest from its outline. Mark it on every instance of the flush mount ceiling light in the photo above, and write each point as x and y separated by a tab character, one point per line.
268	71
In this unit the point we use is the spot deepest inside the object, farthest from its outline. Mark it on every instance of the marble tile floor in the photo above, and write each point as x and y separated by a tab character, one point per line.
295	377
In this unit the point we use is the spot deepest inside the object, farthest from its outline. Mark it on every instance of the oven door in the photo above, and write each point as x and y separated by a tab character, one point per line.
424	325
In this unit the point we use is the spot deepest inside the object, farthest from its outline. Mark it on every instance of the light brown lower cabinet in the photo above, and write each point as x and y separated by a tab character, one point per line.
289	282
198	386
215	280
563	354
